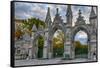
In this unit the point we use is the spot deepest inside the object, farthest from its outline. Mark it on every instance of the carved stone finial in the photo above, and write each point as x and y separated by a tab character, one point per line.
57	11
80	13
48	9
92	13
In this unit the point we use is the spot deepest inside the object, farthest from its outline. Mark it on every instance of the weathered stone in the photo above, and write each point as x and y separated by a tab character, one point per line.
69	33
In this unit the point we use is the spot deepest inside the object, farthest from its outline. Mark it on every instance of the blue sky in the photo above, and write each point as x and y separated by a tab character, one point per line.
25	10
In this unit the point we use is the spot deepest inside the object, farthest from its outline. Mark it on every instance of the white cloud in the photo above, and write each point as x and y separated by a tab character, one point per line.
25	10
82	37
81	34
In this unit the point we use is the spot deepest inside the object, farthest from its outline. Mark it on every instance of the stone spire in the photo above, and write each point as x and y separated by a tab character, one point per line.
57	10
92	13
48	18
80	13
93	20
69	15
34	28
57	18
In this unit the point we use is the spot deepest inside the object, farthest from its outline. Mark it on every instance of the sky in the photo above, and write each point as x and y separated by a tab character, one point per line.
25	10
82	37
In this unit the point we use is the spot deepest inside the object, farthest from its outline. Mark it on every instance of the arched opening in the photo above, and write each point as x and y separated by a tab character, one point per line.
81	44
40	44
58	43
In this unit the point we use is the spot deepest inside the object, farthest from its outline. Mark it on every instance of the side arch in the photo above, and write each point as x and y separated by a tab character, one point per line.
78	28
34	43
74	31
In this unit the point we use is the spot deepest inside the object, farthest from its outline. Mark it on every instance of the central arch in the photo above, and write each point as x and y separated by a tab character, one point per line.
58	43
53	30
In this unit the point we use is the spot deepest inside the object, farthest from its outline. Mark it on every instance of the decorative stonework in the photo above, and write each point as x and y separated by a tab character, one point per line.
69	33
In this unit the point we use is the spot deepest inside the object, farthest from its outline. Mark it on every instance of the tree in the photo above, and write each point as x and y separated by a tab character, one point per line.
80	48
77	44
18	33
58	44
33	21
40	46
28	24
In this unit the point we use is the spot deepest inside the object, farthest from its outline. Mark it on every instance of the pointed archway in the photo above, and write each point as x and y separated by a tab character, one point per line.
81	46
58	43
40	44
76	29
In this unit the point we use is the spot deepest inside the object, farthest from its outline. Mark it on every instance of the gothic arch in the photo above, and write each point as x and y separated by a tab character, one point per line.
53	29
77	29
34	46
36	36
67	29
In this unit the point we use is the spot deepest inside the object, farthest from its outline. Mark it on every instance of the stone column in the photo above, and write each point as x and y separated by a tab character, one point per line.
65	50
67	45
72	56
29	54
33	44
92	50
45	48
92	46
89	50
50	49
68	51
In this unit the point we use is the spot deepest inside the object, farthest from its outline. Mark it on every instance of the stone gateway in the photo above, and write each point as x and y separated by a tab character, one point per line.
69	31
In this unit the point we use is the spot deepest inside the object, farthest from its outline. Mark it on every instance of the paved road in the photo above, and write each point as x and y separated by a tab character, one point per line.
46	61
